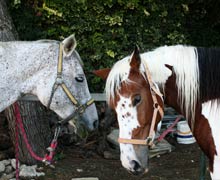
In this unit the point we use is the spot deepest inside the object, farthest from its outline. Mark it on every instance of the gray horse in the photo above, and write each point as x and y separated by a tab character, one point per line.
50	70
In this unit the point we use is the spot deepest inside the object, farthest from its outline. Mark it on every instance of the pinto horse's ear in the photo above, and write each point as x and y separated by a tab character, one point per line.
69	45
169	67
102	73
135	60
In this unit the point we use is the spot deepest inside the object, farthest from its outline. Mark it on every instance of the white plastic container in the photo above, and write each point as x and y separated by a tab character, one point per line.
184	134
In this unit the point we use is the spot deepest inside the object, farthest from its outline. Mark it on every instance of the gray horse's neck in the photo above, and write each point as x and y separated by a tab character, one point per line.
22	66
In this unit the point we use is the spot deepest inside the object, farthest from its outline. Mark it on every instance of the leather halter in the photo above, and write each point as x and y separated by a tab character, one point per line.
80	108
157	109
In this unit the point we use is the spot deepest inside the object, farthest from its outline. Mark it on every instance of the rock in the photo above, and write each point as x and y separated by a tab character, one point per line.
6	162
30	171
86	178
79	170
162	147
113	137
8	176
13	163
8	169
2	167
111	155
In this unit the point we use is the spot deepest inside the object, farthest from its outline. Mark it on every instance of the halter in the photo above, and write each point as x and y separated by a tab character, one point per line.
157	109
80	108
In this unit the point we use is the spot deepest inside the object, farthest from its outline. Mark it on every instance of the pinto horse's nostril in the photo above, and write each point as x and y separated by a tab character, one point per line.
137	169
136	165
95	124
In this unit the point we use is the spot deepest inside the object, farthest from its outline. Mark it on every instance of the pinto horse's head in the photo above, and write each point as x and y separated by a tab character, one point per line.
129	94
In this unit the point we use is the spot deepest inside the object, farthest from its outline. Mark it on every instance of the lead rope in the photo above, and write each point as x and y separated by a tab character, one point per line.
169	129
47	159
16	142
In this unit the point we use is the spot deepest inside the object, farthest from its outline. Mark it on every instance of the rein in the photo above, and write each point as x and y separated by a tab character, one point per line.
80	108
157	109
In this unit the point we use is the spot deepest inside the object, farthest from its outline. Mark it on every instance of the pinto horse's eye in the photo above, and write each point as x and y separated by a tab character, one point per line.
136	100
79	79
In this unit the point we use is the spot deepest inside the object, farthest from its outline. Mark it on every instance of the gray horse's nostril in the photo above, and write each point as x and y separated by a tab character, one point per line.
95	124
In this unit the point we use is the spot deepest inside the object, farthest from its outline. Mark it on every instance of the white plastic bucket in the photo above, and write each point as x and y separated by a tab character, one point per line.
184	134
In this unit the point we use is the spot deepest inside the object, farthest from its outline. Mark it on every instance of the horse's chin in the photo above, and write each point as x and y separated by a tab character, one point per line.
142	173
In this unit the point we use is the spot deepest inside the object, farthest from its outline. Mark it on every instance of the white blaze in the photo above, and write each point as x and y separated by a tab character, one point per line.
127	119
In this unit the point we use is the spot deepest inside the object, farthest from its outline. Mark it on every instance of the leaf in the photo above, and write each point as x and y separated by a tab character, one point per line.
111	53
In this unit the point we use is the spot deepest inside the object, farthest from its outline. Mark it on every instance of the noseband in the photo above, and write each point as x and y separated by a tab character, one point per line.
157	109
80	108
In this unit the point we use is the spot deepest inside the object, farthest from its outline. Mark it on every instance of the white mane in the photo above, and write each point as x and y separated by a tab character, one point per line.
119	73
185	65
184	60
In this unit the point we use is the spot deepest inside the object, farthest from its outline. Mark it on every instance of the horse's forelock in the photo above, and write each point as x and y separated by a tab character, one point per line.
118	74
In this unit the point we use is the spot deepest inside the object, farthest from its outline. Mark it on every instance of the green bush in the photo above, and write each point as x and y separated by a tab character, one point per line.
107	30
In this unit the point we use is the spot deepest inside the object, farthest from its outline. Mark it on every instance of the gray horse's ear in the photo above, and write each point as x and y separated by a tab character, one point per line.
69	45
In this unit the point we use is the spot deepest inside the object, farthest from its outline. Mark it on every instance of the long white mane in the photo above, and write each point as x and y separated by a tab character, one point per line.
118	74
184	60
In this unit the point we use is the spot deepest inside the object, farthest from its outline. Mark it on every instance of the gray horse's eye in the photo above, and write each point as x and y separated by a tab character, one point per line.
79	78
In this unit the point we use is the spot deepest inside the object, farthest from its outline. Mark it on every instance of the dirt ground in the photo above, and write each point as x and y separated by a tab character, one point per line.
180	164
89	159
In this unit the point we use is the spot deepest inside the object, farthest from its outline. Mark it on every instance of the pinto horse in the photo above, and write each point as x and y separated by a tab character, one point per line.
188	78
53	72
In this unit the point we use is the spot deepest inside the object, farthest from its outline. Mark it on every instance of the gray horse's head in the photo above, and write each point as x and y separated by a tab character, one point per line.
75	80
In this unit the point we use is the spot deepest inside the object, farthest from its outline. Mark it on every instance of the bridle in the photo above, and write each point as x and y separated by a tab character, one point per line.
80	108
157	109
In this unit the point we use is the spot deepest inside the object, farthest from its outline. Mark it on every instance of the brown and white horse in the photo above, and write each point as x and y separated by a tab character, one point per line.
188	78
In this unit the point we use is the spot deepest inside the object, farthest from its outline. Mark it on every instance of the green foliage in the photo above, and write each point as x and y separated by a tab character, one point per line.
107	30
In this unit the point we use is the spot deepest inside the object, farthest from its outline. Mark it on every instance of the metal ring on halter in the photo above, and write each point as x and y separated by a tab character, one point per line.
59	80
57	132
81	109
148	140
156	106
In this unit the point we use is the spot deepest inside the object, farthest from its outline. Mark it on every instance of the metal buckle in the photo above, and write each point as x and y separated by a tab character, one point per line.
59	79
156	106
148	140
81	109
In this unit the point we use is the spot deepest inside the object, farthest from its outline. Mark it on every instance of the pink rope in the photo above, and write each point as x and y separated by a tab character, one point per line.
16	144
19	122
19	125
169	129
